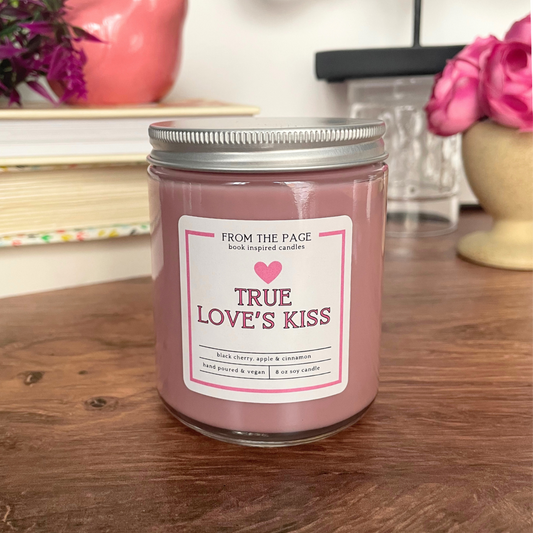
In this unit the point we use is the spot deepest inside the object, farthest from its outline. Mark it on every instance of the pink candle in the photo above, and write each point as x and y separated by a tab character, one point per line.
267	241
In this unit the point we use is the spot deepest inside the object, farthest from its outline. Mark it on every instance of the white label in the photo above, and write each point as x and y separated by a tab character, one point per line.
265	307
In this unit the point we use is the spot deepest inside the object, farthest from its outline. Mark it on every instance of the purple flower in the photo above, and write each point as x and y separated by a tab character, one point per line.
7	12
14	97
37	42
9	50
38	88
66	66
38	27
85	35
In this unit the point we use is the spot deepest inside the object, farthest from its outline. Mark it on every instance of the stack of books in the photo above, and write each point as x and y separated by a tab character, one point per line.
79	173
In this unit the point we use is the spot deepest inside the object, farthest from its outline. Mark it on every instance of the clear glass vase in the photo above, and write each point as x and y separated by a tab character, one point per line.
424	168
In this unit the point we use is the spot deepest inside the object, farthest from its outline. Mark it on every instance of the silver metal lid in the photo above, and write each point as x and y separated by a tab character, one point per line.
248	144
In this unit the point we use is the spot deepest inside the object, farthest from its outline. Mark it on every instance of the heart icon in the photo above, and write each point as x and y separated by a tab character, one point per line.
268	273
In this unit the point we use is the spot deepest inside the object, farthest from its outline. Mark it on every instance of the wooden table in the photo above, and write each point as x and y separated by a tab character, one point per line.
86	446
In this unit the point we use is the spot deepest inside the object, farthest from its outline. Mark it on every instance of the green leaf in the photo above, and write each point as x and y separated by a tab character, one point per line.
10	29
53	5
85	35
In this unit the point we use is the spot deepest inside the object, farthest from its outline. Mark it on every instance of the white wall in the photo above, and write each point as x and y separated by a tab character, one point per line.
46	267
260	52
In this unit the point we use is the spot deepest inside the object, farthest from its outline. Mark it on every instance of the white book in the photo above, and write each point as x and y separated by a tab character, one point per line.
45	135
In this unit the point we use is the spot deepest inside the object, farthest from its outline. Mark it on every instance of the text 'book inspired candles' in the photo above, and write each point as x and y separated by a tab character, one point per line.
267	247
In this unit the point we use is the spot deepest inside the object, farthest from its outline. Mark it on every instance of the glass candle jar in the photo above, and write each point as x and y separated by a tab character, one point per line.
423	191
267	246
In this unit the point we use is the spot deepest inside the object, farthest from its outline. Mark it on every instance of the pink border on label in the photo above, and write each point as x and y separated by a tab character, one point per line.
199	234
341	232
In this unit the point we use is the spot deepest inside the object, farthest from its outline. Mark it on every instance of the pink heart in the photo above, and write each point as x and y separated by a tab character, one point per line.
268	273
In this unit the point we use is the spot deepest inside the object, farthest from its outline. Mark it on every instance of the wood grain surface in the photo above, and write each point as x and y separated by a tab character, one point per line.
86	446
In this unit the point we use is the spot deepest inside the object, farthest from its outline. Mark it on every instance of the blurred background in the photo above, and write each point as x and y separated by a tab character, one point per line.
261	54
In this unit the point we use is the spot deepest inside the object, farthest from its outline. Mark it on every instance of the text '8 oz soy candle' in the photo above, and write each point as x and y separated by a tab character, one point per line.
267	245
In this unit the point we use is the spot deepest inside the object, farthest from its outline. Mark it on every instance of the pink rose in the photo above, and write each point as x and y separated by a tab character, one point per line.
520	31
454	104
506	82
477	52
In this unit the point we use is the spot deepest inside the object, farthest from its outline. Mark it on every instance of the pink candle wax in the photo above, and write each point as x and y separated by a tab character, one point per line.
267	267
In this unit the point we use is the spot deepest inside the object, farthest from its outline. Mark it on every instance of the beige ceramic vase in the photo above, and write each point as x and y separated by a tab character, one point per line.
499	165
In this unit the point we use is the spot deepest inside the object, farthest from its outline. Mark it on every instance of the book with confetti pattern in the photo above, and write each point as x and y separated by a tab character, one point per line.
63	203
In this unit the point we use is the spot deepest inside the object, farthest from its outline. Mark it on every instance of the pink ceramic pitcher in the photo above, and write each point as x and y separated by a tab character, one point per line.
140	58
